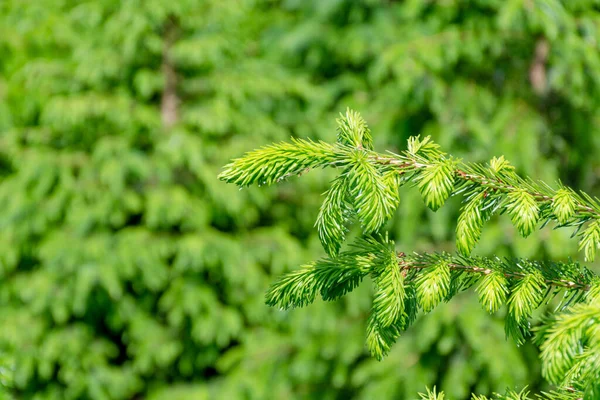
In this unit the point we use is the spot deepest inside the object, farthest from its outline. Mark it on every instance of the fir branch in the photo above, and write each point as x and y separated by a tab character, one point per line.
388	301
373	200
487	189
525	200
333	215
353	131
570	276
331	278
435	182
524	394
570	345
492	290
433	284
380	339
368	189
470	222
277	162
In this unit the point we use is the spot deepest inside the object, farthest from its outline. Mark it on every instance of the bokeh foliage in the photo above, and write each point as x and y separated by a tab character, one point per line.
127	270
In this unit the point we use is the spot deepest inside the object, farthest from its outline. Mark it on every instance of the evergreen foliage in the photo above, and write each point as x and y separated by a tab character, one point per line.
128	271
405	284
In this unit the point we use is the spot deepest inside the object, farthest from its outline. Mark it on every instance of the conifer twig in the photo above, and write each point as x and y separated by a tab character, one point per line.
367	191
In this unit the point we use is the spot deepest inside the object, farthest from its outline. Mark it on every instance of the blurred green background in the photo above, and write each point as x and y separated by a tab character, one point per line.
128	271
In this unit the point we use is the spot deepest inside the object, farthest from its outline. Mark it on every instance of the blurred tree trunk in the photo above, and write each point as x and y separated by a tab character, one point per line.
169	102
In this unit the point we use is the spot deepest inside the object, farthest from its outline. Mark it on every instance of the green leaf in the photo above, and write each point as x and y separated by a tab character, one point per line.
563	205
433	285
523	210
435	182
353	130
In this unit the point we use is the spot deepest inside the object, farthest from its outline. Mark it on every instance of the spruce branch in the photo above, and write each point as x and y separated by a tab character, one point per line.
432	395
277	162
561	275
374	201
525	394
492	290
570	345
354	131
367	190
334	215
388	301
523	209
471	220
564	205
527	294
433	284
405	284
372	180
590	240
331	278
380	338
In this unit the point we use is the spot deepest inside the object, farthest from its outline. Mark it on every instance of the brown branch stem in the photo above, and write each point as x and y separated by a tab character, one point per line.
169	104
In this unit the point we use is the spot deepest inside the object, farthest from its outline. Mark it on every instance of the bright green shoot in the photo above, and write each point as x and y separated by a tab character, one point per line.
367	192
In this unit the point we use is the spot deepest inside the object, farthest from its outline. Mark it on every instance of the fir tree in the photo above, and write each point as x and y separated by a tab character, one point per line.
366	192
